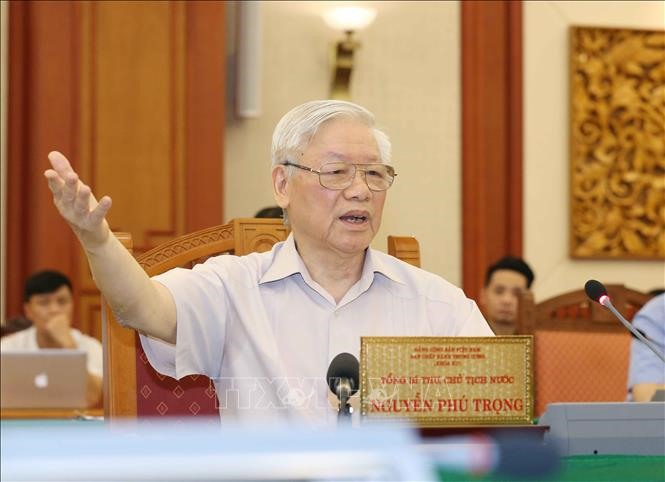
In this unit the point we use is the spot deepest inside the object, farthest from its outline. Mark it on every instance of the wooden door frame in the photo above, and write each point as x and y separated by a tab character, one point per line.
491	136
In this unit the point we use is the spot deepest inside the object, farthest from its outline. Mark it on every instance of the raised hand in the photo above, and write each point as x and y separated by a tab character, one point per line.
141	303
76	203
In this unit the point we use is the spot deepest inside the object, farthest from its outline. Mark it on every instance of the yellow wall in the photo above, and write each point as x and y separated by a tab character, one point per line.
546	141
408	74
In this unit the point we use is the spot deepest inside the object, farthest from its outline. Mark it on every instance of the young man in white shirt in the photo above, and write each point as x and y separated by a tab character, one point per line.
49	305
505	280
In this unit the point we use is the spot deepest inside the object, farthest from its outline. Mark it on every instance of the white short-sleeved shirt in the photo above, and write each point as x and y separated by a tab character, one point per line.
645	366
265	332
27	340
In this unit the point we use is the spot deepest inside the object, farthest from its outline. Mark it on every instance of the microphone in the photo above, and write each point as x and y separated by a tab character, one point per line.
342	376
596	291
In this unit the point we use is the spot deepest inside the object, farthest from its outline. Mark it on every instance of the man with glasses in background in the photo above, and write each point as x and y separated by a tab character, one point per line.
265	326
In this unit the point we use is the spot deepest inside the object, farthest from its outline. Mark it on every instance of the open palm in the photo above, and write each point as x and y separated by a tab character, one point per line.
76	203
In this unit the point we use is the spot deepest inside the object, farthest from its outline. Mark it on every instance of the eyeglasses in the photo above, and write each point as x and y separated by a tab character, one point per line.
340	175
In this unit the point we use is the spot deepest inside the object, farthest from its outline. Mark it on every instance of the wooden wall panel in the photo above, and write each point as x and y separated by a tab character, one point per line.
42	115
205	111
133	140
131	78
491	136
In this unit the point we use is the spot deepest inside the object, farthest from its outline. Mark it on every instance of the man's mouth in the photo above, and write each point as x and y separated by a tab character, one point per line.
354	218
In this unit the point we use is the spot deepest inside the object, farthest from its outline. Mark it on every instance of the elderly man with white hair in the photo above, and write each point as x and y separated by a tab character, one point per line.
264	327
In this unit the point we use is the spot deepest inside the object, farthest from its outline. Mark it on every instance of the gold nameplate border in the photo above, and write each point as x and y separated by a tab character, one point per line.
483	380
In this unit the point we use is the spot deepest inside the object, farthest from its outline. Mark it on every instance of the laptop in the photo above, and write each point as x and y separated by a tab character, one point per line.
48	378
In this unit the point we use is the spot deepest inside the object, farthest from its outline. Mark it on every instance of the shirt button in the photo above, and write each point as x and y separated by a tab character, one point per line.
336	313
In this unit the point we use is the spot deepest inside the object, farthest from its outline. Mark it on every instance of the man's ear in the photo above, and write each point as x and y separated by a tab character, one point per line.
280	186
482	298
27	312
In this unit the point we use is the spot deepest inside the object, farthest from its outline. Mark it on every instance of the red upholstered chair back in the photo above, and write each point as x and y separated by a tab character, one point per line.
132	388
159	395
581	350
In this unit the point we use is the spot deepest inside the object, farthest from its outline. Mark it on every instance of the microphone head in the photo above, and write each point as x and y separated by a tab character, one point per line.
344	365
595	290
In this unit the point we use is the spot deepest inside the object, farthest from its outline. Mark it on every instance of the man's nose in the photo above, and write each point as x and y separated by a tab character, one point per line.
509	298
360	176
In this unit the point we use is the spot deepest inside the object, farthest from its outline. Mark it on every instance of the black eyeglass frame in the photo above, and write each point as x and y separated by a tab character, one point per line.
355	167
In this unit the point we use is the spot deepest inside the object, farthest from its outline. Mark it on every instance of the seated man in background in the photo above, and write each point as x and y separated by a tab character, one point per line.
270	212
647	371
504	282
49	305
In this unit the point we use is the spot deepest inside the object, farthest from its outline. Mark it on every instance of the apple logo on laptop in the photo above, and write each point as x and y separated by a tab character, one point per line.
41	380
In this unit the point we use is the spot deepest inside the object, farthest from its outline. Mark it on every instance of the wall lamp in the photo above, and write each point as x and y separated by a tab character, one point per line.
347	20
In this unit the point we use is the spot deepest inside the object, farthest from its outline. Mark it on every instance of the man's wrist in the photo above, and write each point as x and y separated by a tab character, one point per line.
93	244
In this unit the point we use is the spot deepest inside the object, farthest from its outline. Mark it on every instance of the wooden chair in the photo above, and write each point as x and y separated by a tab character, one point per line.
581	351
132	388
14	325
405	248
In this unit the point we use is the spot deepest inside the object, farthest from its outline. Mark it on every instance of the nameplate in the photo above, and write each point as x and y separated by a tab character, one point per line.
447	381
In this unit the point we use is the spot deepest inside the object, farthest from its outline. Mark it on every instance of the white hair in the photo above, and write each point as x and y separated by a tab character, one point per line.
296	129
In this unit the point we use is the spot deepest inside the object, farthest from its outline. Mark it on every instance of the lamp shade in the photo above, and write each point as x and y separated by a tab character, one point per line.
349	18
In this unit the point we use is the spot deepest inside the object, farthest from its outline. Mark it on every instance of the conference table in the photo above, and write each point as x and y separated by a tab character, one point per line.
583	468
36	426
62	414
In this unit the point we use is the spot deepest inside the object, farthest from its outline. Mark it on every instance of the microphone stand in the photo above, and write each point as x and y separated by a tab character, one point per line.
343	391
605	301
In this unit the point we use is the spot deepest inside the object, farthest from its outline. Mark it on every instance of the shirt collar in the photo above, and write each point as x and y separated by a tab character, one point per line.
287	262
376	262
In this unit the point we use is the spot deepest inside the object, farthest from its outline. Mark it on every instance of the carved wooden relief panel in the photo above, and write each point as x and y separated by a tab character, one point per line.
617	143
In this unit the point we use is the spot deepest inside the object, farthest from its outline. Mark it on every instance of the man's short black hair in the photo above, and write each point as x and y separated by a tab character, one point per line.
44	282
511	263
270	212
